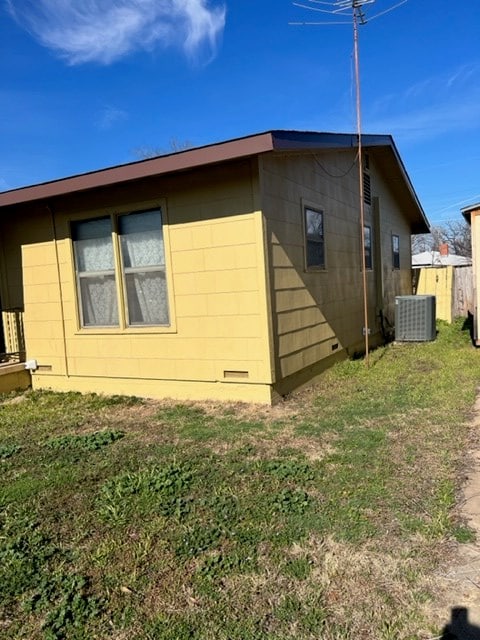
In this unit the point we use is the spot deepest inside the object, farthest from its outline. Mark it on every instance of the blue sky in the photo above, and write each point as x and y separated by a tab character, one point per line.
86	84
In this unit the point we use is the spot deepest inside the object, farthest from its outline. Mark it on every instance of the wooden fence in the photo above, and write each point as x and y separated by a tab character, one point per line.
12	320
452	287
463	300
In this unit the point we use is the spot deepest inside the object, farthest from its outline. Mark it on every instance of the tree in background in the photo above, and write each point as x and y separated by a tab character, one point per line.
175	145
456	234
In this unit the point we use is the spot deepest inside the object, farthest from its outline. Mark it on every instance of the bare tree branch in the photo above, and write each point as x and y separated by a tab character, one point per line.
456	234
175	145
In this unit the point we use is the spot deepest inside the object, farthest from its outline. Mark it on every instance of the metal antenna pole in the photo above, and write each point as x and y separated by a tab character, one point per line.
357	13
337	10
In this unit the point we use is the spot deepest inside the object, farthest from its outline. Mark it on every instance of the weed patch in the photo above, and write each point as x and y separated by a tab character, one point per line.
8	450
159	489
89	442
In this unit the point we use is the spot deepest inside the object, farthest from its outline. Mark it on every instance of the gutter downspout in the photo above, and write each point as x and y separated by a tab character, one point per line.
55	243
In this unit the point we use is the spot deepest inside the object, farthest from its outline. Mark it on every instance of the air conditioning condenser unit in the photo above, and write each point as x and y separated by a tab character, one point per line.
415	318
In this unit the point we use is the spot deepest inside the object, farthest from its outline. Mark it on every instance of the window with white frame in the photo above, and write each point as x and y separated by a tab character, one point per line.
120	270
314	238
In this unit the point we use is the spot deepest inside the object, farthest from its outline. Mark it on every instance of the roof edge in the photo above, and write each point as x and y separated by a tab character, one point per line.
276	140
467	211
178	161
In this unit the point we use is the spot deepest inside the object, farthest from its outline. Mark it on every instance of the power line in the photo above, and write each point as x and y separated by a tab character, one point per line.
457	204
332	175
382	13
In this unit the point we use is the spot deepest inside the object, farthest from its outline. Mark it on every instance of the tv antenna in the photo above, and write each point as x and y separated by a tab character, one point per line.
351	12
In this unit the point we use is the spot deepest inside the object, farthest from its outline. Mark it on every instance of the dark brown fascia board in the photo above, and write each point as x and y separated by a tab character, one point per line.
182	160
276	140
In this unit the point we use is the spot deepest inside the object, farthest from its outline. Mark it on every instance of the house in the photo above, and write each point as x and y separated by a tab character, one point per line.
441	258
446	276
472	216
230	271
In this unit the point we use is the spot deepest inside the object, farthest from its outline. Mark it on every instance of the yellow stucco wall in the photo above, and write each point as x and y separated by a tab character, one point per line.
217	345
318	315
438	282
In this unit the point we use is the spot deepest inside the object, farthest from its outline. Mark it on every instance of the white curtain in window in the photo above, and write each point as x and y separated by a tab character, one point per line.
147	298
99	301
142	239
142	246
93	245
96	272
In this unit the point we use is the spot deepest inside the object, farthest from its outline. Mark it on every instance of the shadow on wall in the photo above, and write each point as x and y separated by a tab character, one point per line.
459	628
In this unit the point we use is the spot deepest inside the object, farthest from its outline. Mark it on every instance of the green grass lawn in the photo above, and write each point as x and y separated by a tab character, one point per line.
323	517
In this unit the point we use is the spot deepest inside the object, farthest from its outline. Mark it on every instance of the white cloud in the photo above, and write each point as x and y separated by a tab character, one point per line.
430	108
105	30
427	122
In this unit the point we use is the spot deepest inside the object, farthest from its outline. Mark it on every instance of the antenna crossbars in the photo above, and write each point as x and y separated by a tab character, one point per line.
340	7
352	4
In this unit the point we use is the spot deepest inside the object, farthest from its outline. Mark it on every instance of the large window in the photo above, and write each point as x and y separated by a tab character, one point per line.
121	257
314	239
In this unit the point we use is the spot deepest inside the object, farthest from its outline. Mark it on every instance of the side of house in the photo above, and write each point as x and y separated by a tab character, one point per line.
316	279
229	272
81	324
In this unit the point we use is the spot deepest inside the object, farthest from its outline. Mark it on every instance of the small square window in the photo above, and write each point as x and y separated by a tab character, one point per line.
314	238
396	251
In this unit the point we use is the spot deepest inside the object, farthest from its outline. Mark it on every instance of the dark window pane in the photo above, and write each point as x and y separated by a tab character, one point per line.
367	236
315	241
396	252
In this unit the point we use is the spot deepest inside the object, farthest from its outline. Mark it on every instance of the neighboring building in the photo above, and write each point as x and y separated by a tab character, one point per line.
442	258
446	276
231	271
472	216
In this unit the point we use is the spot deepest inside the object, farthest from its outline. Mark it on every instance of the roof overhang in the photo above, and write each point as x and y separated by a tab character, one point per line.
467	211
380	146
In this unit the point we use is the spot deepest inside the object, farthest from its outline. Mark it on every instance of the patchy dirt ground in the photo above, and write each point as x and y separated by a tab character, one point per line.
458	604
